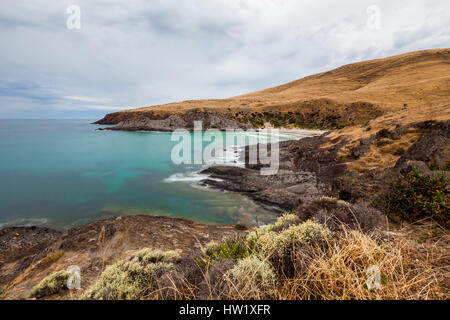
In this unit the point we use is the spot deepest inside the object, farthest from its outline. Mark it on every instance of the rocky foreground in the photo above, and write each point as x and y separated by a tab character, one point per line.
28	254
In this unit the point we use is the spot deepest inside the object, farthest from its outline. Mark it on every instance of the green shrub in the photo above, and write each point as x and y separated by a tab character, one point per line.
253	236
135	278
252	279
282	243
240	226
445	167
52	284
285	221
258	122
416	196
235	248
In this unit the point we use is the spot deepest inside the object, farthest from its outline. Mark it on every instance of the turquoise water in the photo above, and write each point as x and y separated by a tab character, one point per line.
63	173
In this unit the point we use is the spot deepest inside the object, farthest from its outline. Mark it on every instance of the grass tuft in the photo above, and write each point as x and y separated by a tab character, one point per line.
342	272
53	257
52	284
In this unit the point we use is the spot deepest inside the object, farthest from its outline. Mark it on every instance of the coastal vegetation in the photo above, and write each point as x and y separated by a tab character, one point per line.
135	278
304	260
52	257
52	284
416	196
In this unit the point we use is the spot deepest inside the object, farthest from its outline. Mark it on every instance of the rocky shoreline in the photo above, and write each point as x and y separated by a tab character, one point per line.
308	171
171	122
300	117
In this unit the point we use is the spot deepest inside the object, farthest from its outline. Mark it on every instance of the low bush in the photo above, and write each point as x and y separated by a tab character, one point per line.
53	257
416	196
283	243
285	221
135	278
251	278
444	167
235	248
354	265
52	284
346	268
345	264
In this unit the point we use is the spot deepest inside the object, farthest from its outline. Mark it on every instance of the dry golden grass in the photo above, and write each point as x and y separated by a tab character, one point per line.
340	273
408	271
415	78
387	155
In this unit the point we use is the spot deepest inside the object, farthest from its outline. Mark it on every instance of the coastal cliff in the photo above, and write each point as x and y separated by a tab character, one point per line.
344	97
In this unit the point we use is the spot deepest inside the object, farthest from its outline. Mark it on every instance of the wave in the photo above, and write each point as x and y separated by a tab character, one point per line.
266	135
186	177
80	222
192	178
230	156
25	222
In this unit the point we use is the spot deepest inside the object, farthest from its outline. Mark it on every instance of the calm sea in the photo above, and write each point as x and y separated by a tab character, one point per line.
63	173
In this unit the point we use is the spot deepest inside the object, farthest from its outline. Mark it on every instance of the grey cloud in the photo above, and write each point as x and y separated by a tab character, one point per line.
137	52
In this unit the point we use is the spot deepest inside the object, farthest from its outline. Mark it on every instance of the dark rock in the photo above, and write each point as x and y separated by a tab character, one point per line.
149	121
409	165
334	213
285	190
23	245
387	134
110	230
361	149
433	148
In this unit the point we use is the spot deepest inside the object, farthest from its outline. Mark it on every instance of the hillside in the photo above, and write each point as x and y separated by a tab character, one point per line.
351	94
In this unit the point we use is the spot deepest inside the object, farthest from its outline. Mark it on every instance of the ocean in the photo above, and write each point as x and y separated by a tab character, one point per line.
64	173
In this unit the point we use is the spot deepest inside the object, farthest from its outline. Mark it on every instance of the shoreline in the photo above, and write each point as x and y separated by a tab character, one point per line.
300	131
282	130
303	132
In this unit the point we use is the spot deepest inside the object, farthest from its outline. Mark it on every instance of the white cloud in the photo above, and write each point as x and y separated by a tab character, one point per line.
138	52
87	99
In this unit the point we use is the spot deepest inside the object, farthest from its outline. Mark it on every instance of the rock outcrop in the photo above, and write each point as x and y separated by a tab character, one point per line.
308	170
22	246
169	122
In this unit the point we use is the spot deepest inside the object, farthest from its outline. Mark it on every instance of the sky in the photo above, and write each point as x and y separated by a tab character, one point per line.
81	59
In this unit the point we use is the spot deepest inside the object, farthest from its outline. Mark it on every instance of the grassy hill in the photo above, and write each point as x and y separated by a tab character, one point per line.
349	95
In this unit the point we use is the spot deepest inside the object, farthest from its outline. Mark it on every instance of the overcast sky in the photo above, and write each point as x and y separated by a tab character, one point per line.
134	53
